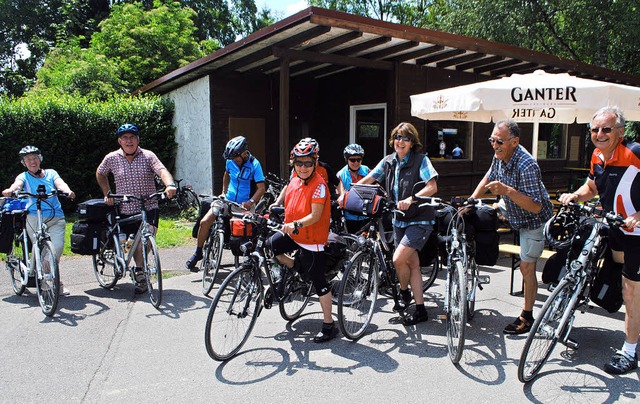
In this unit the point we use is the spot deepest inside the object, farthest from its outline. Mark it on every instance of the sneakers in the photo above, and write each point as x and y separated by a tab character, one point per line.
520	326
141	281
620	363
192	263
404	299
64	291
327	333
415	318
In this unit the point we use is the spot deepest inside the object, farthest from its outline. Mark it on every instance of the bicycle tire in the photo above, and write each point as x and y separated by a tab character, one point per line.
12	262
430	273
358	294
264	202
49	285
233	313
105	264
456	312
296	295
543	336
472	288
152	271
211	261
190	199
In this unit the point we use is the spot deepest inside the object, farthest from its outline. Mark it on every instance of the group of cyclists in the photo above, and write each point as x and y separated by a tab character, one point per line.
514	175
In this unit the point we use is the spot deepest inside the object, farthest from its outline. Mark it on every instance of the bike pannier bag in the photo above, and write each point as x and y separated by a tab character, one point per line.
205	205
240	228
6	232
335	255
11	222
555	268
236	242
429	252
606	290
94	211
85	238
364	200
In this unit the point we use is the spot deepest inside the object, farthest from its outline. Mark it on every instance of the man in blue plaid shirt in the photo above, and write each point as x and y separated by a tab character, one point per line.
515	175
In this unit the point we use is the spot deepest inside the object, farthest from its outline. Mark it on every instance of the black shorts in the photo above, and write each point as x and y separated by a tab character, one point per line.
153	218
630	245
312	261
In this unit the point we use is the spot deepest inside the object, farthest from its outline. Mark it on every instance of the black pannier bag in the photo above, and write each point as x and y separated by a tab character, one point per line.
85	238
483	225
94	211
241	232
6	231
205	205
556	267
364	200
606	290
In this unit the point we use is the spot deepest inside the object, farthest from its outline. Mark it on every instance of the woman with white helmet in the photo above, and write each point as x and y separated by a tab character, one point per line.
31	159
353	172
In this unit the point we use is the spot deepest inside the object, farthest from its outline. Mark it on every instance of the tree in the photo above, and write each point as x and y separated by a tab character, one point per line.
147	44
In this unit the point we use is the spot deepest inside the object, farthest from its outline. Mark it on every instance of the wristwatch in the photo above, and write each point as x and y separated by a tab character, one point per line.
252	201
173	184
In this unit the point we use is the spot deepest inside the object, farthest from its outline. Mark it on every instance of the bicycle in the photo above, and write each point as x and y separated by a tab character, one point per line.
587	239
42	259
369	271
214	245
185	197
275	186
463	278
241	297
111	263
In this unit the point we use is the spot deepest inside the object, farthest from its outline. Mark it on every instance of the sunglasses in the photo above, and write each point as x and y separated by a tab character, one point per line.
606	129
500	142
355	160
403	138
307	164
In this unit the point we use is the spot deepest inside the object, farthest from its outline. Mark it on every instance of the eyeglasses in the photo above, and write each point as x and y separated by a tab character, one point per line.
307	164
606	129
500	142
355	160
403	138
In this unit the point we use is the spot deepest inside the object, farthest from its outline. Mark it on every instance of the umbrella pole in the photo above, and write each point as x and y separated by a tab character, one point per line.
534	145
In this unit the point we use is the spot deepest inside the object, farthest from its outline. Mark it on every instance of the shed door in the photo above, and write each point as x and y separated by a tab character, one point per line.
367	128
253	130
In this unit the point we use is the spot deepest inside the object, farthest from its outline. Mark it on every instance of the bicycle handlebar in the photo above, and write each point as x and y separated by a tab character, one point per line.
589	209
40	195
126	198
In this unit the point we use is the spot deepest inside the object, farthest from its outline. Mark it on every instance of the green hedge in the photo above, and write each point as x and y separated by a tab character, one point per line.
75	135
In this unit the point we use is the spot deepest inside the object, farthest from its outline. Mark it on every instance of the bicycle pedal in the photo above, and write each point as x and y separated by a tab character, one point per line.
441	316
484	279
571	344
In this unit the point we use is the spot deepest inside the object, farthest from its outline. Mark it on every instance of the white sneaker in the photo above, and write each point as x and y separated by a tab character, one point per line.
64	291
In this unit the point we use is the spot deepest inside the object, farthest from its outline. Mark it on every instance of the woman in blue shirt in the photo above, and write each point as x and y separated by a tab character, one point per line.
353	172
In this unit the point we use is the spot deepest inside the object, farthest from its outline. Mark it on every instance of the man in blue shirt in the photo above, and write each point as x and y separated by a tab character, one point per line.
515	176
242	170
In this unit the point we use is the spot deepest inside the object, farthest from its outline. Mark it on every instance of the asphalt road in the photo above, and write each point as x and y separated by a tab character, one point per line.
109	346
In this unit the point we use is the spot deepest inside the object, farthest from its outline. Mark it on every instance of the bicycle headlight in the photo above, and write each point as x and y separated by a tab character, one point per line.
362	240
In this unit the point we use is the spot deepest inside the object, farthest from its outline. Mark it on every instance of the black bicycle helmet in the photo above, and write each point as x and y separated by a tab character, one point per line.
560	229
306	147
128	128
235	147
353	149
30	150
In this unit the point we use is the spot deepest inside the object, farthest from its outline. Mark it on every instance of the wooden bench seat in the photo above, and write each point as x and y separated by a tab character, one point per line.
514	251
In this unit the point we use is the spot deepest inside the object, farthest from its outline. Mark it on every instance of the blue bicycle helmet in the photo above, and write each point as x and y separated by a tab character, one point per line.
29	150
235	147
128	128
353	149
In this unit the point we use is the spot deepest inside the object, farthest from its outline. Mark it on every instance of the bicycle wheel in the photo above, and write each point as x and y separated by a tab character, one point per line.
296	295
456	311
233	313
544	332
264	202
190	199
472	288
430	273
152	271
358	294
212	259
49	285
105	264
15	257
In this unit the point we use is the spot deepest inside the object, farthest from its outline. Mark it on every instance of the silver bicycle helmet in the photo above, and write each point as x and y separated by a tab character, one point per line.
30	150
353	149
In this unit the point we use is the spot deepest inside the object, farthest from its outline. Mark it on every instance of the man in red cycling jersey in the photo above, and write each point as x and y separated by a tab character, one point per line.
307	215
614	175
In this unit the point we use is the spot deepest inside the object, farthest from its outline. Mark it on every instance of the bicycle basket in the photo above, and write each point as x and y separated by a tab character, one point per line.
364	200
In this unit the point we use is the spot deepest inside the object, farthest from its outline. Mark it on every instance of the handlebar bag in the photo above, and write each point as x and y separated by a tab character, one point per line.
94	211
364	200
240	228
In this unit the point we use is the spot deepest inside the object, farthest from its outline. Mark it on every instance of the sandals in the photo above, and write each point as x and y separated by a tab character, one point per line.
520	326
192	263
327	333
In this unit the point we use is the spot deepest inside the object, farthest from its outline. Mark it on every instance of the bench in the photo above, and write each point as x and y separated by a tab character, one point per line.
514	251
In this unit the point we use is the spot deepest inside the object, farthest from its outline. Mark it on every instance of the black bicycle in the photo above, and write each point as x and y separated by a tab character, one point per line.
275	185
242	295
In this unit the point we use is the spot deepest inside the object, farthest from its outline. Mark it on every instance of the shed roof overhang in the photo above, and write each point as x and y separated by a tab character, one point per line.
320	42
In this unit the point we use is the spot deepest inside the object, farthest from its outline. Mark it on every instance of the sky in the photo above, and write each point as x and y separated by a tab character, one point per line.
285	7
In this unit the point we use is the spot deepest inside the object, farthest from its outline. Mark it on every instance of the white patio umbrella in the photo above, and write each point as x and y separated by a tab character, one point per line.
535	97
